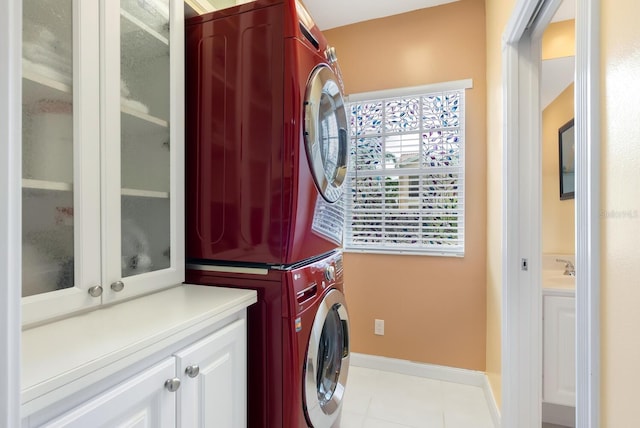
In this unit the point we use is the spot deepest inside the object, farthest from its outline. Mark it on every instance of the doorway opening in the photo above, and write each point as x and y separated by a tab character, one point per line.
522	334
557	240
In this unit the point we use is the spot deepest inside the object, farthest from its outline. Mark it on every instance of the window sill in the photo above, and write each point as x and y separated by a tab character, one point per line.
403	252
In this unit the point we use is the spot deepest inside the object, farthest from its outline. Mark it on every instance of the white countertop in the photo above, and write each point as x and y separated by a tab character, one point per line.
60	353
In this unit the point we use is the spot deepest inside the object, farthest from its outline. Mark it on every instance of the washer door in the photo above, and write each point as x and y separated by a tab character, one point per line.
325	132
327	362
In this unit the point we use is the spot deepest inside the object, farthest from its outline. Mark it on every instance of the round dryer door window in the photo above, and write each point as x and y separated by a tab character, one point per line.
327	362
325	132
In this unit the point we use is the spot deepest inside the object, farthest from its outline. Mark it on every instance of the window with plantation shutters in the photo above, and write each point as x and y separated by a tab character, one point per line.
405	186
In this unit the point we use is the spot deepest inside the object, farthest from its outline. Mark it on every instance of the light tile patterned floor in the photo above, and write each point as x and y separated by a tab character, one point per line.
379	399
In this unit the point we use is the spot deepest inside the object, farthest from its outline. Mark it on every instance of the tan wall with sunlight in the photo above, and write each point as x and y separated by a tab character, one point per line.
434	307
497	15
620	213
558	217
559	39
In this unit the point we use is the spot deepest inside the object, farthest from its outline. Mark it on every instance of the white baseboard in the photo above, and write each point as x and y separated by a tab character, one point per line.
431	371
494	410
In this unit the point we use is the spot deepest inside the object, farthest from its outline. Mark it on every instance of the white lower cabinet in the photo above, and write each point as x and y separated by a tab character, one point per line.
213	389
559	332
139	402
202	385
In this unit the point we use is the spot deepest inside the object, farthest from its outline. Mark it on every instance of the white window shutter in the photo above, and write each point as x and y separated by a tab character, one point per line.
405	187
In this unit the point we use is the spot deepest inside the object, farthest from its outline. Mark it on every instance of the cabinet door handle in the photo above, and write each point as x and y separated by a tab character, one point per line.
117	286
172	384
95	291
193	370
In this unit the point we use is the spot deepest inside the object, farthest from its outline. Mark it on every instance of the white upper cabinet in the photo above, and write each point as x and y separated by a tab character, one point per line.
103	152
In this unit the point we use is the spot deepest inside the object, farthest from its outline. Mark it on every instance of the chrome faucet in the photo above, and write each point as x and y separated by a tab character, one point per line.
569	268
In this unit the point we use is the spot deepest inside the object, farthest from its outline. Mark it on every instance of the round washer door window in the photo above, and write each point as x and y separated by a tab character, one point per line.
325	133
327	362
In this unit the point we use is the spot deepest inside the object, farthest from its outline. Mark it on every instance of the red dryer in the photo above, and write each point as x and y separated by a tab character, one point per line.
267	139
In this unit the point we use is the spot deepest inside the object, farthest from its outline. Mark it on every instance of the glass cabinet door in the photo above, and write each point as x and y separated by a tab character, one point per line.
142	102
47	138
144	145
103	155
53	232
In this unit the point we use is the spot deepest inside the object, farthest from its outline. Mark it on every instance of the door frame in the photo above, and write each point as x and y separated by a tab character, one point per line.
10	209
521	195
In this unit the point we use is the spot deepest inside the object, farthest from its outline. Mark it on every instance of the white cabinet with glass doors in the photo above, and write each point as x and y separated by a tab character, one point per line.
102	163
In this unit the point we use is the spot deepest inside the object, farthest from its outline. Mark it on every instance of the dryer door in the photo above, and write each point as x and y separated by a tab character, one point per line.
325	132
327	362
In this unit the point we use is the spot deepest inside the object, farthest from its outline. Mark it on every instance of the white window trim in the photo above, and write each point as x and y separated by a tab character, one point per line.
454	85
458	85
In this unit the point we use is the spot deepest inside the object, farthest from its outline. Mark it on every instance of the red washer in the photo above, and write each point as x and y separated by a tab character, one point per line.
266	136
298	341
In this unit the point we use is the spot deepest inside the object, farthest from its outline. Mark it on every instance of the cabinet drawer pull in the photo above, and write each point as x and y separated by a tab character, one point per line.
172	384
192	371
95	291
117	286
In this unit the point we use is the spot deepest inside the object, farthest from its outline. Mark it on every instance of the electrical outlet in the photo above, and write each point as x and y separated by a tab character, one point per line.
379	327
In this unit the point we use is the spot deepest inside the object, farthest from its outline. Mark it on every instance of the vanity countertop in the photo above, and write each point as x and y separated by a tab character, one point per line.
556	280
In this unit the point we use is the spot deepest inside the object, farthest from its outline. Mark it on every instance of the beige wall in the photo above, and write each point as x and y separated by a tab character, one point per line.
433	307
497	15
620	219
559	40
620	205
558	217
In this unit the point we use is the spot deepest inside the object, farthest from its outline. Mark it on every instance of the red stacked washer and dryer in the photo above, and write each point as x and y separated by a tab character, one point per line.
267	149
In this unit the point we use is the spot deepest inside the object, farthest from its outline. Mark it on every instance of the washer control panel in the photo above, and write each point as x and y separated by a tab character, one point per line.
311	281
